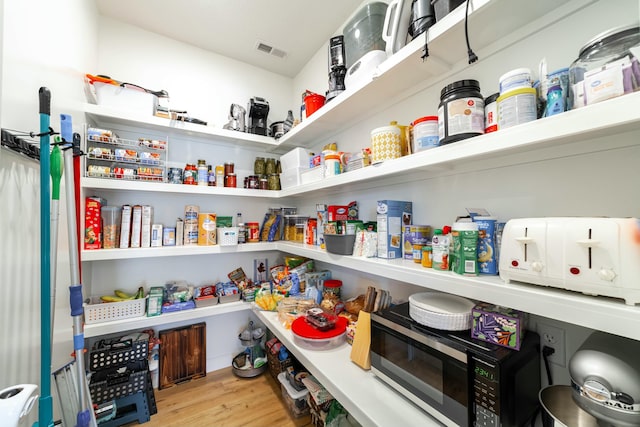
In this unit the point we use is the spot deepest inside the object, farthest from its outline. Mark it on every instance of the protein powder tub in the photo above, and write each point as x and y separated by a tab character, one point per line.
461	111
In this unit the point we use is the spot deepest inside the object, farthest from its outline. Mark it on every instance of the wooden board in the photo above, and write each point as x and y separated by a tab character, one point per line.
183	354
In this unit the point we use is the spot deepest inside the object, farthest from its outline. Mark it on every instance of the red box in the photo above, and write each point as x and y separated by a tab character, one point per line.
337	213
93	222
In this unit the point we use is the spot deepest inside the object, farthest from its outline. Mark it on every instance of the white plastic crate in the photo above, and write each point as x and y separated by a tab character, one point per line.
290	177
312	175
296	158
97	311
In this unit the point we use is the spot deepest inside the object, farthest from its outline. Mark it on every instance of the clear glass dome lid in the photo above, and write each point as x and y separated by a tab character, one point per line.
621	37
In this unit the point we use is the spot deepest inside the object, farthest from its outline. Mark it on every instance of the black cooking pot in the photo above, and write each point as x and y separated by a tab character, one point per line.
277	129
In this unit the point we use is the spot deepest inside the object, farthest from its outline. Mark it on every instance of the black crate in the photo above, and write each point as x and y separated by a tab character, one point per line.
113	383
117	353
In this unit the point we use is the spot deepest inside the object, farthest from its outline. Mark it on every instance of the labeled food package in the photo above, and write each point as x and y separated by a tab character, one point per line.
391	216
464	259
93	222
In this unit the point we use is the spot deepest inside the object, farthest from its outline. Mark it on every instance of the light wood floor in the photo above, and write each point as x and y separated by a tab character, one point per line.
221	399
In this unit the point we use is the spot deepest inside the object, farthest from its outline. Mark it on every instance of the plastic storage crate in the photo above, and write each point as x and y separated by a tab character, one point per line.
109	385
97	311
296	400
117	354
227	236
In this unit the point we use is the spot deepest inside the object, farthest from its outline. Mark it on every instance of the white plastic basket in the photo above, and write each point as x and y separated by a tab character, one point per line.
97	311
227	236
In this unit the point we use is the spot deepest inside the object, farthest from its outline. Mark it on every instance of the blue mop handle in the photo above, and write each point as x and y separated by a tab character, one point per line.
45	403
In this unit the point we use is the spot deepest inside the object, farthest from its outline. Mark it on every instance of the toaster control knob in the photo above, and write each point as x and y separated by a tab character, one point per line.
606	274
537	266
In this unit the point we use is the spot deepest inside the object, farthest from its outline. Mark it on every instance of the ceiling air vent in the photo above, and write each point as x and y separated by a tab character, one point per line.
263	47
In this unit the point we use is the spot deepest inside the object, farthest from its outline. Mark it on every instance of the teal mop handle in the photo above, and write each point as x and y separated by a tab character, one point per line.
45	402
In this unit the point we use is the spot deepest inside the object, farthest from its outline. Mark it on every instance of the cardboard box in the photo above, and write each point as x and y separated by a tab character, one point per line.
156	235
498	325
136	226
392	215
154	301
145	230
93	222
125	227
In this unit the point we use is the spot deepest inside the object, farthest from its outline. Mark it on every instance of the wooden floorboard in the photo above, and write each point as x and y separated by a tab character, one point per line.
221	399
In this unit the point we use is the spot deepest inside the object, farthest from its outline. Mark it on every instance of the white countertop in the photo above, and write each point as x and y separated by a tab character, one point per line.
369	400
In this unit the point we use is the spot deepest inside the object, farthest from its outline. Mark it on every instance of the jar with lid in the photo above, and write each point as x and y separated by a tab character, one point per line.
228	168
259	166
270	166
273	181
606	67
263	184
332	288
461	111
230	180
219	176
203	176
427	256
190	174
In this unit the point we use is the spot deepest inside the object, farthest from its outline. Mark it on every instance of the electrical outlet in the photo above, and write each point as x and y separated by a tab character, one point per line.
552	336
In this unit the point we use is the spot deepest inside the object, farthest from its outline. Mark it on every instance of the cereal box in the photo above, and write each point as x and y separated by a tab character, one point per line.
93	222
391	216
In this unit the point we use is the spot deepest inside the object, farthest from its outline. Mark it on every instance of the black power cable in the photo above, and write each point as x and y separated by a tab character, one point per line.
472	56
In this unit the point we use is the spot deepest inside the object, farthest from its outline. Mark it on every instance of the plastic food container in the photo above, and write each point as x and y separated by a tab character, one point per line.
294	227
516	107
425	133
306	336
515	79
321	319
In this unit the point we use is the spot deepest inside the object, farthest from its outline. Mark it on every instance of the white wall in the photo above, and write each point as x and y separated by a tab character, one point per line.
43	44
203	83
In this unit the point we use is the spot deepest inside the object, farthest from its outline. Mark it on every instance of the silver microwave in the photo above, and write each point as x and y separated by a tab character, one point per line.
458	380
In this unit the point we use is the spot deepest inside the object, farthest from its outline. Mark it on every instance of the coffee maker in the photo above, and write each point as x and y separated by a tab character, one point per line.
258	112
337	67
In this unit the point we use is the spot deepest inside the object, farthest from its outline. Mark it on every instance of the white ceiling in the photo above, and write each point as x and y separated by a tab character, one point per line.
233	28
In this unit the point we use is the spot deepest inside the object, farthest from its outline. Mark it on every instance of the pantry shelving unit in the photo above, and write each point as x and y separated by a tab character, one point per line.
563	135
369	400
116	326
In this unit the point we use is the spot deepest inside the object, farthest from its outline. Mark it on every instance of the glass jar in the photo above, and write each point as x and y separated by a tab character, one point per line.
228	168
190	174
427	256
230	180
263	184
332	288
606	67
259	166
270	167
273	181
